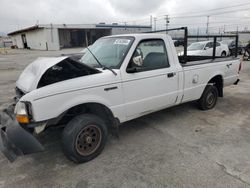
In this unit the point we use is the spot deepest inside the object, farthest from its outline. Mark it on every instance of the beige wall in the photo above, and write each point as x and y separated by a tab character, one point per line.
17	40
39	39
52	38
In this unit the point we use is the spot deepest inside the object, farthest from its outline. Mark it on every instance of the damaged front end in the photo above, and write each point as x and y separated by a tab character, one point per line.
14	139
16	121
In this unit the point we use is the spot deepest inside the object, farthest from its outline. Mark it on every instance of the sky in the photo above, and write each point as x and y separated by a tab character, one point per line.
17	14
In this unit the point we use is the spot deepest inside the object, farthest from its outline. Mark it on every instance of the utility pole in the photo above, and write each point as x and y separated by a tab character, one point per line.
167	22
125	24
224	29
151	22
155	23
207	24
198	32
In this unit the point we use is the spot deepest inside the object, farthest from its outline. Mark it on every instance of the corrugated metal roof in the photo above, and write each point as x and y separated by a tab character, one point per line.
78	26
25	30
123	26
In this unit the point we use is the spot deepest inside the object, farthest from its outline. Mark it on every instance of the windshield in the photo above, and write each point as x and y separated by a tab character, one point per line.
110	52
195	46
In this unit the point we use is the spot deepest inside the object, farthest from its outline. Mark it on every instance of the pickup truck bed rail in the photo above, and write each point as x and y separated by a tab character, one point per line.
185	58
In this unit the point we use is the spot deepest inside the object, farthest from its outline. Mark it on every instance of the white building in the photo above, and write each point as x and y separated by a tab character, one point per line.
5	42
58	36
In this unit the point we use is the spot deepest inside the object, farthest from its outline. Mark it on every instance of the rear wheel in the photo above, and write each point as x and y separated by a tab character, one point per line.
209	98
84	138
223	54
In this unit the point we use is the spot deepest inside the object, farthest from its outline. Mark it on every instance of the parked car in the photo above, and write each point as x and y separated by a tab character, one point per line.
231	46
178	42
120	78
205	48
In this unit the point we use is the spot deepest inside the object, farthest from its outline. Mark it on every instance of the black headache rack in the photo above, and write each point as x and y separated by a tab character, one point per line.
187	58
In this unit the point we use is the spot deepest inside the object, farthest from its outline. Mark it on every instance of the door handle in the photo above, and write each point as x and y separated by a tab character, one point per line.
110	88
171	74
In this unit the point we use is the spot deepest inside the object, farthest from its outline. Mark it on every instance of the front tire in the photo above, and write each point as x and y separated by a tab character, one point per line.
209	98
84	138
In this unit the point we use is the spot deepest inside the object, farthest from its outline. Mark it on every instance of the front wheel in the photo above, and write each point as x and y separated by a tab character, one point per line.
209	98
84	138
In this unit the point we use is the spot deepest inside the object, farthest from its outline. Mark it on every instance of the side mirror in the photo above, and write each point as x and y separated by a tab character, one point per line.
206	48
132	70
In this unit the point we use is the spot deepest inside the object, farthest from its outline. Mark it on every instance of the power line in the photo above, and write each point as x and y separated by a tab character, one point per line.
221	8
211	14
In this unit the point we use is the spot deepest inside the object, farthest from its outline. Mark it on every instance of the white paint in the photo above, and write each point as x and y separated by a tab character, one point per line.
31	75
137	94
39	39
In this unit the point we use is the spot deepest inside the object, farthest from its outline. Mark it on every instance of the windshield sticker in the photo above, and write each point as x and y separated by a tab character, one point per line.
122	41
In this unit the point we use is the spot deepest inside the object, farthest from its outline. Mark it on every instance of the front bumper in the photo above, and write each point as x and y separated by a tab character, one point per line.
15	140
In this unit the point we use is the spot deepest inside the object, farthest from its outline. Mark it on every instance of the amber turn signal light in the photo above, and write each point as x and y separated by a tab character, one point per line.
22	119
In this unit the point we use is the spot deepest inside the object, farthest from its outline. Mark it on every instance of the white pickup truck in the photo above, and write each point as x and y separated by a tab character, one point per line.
119	78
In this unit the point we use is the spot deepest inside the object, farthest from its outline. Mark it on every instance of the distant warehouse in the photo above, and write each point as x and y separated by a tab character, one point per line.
58	36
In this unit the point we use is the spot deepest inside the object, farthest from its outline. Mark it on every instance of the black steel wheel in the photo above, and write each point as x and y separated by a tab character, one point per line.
209	98
88	140
84	138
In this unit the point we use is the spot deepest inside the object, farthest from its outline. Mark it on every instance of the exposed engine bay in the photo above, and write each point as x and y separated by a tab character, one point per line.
67	69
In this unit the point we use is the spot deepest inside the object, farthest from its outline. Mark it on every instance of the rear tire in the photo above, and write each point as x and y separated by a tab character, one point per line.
84	138
223	54
209	98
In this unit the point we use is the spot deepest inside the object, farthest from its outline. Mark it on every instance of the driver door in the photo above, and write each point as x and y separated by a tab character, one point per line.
150	83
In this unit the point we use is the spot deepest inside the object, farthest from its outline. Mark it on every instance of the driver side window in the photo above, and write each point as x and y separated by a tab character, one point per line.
149	55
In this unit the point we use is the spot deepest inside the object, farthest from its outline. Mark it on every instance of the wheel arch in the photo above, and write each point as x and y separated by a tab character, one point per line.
96	108
217	80
224	51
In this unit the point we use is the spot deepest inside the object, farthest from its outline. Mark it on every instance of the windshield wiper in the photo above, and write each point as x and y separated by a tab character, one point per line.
103	66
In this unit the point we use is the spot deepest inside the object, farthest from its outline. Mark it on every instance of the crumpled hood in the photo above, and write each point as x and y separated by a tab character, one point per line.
31	75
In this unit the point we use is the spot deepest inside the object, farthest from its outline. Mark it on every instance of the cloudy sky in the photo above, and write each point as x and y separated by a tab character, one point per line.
17	14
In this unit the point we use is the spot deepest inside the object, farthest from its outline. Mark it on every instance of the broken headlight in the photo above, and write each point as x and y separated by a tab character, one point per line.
22	111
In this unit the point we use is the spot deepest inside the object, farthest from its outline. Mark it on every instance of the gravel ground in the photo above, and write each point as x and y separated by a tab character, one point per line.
177	147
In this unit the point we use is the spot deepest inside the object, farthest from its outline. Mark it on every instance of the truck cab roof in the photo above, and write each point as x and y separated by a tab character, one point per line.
141	35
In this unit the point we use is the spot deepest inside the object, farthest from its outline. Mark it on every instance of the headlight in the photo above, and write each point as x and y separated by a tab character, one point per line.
21	112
